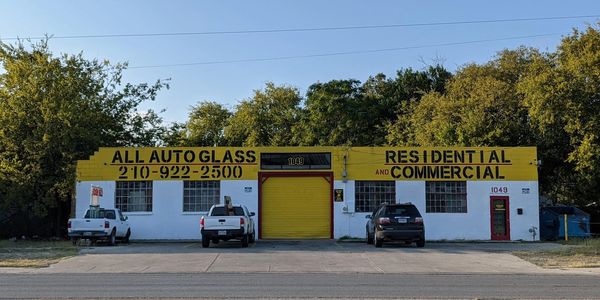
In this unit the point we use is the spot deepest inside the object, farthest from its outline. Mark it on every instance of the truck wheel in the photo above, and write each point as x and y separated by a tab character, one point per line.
127	236
205	242
245	241
252	238
112	240
378	242
421	243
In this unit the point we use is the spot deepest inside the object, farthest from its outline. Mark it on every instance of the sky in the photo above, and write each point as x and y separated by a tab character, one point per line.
230	82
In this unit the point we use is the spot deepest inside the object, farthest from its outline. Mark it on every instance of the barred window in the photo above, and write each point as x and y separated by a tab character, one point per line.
200	195
370	194
446	197
133	196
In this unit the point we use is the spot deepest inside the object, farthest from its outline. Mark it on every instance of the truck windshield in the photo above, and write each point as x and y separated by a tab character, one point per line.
100	214
223	211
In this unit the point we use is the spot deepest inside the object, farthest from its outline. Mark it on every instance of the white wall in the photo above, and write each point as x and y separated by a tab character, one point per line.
473	225
168	221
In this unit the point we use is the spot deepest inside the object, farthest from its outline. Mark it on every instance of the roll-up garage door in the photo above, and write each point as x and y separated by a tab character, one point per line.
296	208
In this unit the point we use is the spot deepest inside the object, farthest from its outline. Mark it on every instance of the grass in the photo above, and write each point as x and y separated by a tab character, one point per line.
576	253
34	254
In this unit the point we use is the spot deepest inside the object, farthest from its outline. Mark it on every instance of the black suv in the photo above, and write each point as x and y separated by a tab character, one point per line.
395	222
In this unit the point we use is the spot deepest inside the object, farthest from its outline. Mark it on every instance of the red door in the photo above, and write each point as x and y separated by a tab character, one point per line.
500	218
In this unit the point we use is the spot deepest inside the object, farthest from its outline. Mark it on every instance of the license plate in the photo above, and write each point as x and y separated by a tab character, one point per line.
222	232
87	233
402	220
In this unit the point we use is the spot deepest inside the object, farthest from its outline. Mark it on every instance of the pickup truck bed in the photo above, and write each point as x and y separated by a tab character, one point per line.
224	224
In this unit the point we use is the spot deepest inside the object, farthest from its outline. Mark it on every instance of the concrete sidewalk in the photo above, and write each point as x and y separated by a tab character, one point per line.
323	256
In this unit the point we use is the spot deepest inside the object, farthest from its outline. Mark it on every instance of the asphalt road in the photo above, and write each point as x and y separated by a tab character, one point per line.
302	285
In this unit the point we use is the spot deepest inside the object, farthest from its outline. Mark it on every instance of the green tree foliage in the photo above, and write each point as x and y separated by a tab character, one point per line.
333	114
55	111
348	112
266	119
562	91
206	124
480	107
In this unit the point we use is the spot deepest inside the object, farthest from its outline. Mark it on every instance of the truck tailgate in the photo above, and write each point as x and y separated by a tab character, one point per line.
87	224
221	223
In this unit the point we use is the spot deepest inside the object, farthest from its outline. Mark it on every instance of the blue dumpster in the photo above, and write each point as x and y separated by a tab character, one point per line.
552	222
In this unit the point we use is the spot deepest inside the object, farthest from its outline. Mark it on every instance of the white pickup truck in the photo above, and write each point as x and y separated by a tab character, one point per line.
100	224
225	222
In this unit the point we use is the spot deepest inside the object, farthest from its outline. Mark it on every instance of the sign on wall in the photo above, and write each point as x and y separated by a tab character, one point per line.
358	163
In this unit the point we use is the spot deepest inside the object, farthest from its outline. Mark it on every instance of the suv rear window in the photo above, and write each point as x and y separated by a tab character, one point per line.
221	211
402	210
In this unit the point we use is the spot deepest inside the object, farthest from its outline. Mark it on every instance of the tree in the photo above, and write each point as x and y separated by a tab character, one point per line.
333	115
480	107
562	91
55	111
266	119
206	124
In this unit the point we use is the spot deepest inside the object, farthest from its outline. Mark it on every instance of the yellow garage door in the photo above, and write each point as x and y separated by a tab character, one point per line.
295	208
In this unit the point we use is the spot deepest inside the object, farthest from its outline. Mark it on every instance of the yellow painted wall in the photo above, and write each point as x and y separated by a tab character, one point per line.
362	163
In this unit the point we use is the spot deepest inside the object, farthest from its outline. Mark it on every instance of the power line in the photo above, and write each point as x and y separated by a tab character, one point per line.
342	53
305	29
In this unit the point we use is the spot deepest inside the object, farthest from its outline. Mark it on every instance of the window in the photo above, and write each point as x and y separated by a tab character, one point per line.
446	196
370	194
134	196
221	211
200	195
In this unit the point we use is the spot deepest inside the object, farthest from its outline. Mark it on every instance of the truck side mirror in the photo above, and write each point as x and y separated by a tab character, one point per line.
252	214
126	218
368	217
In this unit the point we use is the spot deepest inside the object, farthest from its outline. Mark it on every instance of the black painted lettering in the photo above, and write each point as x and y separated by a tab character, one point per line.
239	156
390	156
227	158
436	156
117	158
494	157
487	173
447	156
455	172
251	156
165	156
395	171
407	172
414	156
177	153
204	156
214	157
498	176
402	156
470	155
154	157
468	174
189	156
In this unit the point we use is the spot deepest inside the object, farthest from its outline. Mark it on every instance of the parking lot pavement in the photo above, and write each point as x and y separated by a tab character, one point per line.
310	256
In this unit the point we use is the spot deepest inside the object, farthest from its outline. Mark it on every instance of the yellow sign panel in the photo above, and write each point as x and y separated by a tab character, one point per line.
358	163
441	164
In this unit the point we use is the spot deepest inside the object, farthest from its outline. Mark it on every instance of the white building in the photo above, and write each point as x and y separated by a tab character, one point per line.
318	192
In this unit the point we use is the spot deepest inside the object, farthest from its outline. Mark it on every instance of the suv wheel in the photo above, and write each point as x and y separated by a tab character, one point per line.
378	242
369	238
